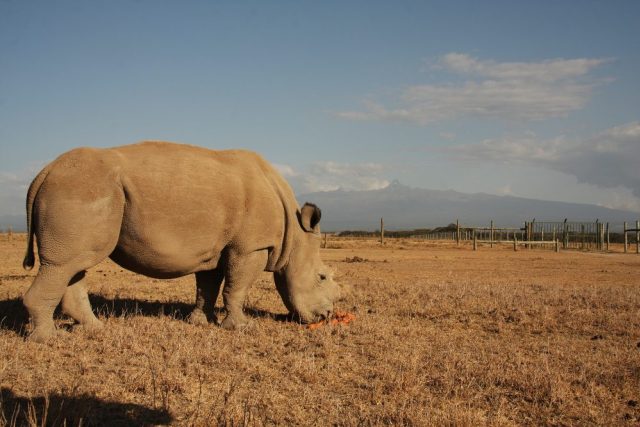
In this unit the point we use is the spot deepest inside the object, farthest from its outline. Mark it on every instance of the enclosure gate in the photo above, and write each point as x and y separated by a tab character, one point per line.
572	235
626	231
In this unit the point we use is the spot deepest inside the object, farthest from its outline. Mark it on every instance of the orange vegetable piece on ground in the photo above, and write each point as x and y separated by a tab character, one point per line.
315	325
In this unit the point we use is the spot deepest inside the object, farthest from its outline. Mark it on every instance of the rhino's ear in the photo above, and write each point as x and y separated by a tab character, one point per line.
310	217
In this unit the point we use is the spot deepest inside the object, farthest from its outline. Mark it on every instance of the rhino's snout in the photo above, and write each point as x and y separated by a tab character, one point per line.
315	315
324	315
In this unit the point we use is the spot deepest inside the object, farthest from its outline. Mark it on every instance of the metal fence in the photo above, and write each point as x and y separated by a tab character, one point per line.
589	236
570	234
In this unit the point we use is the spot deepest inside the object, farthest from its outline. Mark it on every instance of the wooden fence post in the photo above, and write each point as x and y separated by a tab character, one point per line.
491	235
565	235
599	239
638	237
626	241
475	240
381	230
557	246
533	230
457	232
515	242
608	239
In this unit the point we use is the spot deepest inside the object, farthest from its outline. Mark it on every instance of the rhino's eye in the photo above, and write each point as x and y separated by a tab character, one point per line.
322	276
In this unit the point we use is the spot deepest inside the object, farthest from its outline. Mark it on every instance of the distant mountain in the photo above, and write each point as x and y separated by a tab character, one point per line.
405	207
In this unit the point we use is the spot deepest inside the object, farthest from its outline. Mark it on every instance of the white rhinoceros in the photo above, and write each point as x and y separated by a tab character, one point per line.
167	210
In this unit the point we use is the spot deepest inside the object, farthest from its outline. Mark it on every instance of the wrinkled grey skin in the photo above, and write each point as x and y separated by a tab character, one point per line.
167	210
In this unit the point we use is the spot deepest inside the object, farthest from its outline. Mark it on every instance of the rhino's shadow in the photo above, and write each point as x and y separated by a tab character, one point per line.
58	409
14	316
117	307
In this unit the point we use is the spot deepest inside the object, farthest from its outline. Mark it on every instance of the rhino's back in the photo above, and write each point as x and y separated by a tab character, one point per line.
185	204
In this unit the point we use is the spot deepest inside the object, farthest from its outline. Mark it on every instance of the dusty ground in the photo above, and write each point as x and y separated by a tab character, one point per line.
443	335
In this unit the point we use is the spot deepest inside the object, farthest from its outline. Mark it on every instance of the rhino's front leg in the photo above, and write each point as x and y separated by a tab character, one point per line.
207	290
242	271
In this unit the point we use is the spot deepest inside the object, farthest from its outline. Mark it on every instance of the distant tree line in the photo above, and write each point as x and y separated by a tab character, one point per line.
399	233
619	237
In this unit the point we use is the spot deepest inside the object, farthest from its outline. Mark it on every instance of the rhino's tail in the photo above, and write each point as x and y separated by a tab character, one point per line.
29	258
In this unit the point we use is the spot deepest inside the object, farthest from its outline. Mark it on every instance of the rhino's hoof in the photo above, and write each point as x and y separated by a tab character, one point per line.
198	318
42	335
231	323
93	325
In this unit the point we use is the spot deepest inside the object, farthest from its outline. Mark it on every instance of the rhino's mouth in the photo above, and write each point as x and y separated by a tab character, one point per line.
312	317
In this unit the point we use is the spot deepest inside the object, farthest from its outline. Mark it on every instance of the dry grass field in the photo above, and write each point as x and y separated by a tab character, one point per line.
443	335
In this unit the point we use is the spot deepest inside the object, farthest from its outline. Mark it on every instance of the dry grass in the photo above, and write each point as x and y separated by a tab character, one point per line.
443	335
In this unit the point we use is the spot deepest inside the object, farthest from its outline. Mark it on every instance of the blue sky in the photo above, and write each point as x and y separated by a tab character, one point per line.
533	99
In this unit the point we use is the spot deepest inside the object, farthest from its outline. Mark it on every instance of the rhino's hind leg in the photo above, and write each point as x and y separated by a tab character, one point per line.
207	289
242	271
43	297
75	303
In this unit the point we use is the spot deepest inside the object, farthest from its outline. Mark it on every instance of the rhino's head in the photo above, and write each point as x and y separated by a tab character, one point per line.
306	284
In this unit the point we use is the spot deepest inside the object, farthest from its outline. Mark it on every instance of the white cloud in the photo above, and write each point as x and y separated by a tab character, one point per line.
13	189
608	159
448	136
505	190
331	175
13	192
548	70
512	149
286	170
507	90
623	200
